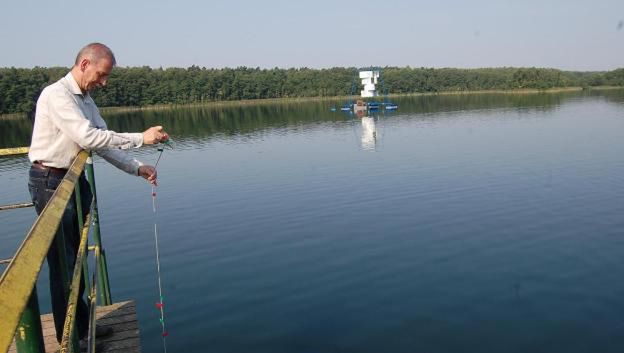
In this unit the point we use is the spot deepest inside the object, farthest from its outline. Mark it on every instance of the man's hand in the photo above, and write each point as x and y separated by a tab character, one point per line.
148	172
154	134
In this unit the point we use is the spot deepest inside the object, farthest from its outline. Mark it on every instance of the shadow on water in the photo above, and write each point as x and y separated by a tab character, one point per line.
192	122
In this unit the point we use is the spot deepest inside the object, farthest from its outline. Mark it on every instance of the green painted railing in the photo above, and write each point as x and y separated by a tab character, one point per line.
18	294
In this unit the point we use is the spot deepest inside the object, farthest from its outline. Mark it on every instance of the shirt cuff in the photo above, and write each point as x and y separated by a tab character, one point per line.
138	139
138	164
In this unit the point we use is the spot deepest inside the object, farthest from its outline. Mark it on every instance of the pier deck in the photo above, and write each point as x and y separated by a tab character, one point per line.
120	316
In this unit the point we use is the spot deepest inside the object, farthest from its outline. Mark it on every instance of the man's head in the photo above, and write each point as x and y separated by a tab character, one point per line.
93	65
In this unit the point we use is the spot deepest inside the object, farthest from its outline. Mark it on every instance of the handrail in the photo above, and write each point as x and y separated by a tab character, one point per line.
68	330
16	205
105	293
19	278
13	151
92	303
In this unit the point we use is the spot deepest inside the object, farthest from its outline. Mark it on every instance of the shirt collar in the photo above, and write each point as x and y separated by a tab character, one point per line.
73	85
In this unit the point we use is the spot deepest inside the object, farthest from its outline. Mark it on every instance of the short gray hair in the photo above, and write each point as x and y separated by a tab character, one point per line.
95	52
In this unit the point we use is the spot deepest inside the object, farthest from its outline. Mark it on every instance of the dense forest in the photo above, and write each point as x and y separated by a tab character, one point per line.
142	86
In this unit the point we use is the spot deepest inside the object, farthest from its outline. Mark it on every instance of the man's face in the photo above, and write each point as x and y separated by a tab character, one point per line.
96	74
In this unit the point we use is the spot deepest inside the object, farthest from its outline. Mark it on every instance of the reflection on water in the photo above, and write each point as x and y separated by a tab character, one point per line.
194	123
369	133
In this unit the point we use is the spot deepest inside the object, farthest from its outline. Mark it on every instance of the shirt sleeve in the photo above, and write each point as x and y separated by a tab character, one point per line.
120	159
68	117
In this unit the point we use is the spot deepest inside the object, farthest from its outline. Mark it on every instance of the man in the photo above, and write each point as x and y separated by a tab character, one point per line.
67	121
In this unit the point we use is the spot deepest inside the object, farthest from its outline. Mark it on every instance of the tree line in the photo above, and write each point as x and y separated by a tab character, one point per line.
194	123
143	86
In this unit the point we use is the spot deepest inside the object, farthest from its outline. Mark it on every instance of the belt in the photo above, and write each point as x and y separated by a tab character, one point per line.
51	170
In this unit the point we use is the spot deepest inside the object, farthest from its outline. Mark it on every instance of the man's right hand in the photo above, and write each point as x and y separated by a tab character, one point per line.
154	134
148	173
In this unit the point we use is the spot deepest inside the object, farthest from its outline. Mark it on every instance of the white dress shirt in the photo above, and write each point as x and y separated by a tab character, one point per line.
68	121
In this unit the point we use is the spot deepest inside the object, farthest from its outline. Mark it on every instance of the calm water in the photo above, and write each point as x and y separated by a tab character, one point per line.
483	223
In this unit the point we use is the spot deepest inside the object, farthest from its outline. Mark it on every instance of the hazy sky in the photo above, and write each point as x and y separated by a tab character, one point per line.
569	35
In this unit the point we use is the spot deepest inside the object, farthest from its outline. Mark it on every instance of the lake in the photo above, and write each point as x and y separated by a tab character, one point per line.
462	223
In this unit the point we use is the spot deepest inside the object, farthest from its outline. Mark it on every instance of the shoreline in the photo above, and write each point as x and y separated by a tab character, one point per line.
252	102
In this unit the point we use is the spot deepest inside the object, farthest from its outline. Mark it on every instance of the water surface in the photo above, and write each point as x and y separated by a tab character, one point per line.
481	223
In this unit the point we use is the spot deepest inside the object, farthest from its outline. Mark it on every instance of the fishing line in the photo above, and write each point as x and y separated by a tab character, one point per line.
160	305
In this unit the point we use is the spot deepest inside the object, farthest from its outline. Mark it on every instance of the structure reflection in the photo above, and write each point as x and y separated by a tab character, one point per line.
369	131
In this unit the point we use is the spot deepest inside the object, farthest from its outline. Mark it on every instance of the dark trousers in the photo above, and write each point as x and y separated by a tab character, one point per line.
42	184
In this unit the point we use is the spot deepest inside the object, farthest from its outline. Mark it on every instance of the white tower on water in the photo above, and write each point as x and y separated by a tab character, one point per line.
369	80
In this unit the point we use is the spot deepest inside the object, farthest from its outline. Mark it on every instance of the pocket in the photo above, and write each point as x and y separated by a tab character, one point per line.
52	183
33	190
37	196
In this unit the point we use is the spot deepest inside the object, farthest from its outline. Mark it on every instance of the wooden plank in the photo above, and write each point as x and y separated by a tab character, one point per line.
121	317
117	345
114	307
122	311
126	326
126	350
110	310
106	321
121	335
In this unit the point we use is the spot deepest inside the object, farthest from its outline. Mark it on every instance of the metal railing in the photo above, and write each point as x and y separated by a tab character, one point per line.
18	294
13	151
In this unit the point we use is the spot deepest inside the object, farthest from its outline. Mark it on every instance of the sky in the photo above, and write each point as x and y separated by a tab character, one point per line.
585	35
